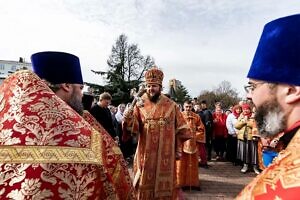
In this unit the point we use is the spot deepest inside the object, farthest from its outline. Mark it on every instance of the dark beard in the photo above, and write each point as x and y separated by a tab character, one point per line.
270	119
153	98
76	104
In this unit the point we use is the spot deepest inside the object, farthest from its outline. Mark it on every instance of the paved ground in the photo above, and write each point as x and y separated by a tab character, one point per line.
220	181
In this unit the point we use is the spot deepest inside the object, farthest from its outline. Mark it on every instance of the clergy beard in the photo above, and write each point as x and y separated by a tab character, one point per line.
153	98
270	119
76	103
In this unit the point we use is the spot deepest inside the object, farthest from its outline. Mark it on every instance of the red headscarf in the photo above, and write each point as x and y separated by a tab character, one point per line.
244	107
234	110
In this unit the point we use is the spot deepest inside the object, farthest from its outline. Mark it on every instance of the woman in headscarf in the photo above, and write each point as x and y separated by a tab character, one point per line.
232	134
247	143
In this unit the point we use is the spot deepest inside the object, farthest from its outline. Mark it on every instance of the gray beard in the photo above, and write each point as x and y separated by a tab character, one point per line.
270	119
76	104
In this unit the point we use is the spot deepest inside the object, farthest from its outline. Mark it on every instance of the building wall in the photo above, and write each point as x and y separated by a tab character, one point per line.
8	67
174	83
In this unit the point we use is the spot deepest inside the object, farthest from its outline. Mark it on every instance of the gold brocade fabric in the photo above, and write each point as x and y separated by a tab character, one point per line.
280	180
187	170
187	166
157	125
260	156
114	162
47	150
197	131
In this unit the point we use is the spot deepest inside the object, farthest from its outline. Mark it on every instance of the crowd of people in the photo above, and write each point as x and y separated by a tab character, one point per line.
58	143
233	134
229	134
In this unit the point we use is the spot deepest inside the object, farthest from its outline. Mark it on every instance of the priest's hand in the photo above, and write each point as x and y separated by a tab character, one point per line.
128	112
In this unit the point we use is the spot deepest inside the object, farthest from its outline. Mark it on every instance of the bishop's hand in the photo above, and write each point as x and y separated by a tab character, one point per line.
128	112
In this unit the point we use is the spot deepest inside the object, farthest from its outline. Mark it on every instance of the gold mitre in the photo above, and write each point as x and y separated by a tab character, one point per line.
154	76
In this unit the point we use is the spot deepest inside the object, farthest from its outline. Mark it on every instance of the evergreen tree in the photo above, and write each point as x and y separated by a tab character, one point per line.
126	68
181	94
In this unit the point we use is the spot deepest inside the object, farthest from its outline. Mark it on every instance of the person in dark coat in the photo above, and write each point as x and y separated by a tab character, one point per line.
102	113
206	117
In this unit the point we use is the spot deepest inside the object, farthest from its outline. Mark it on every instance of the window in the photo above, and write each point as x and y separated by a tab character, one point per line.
13	68
2	66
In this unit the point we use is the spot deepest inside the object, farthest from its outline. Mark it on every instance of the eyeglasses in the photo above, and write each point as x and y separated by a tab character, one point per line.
252	86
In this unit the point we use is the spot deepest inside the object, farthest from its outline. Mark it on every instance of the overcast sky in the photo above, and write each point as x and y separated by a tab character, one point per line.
199	42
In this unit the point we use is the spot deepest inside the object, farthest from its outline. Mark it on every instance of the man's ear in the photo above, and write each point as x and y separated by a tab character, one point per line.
66	87
292	94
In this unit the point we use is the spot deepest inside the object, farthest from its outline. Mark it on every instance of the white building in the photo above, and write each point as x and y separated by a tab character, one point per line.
8	67
174	83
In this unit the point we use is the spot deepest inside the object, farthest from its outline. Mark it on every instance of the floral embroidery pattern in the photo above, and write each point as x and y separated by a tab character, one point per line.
33	117
6	137
31	188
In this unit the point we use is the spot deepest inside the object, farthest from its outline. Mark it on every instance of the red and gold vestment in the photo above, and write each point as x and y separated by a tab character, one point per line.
114	161
157	125
281	180
47	150
187	166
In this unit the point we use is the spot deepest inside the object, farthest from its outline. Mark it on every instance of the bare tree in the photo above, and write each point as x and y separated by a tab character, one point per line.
223	93
225	88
